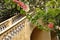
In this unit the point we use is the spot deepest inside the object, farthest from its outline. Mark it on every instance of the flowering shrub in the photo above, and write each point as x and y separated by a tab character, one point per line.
22	5
10	8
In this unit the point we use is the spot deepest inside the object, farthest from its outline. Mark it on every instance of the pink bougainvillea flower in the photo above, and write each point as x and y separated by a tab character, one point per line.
50	25
22	5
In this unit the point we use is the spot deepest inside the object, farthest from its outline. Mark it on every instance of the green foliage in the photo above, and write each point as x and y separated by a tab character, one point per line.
48	14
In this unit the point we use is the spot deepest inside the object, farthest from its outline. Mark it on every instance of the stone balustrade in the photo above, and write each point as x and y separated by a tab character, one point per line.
9	22
13	31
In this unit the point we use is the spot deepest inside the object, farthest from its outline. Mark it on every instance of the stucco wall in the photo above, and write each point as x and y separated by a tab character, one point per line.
30	32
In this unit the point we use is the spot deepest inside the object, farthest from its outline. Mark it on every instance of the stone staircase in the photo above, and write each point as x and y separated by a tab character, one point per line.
11	27
19	28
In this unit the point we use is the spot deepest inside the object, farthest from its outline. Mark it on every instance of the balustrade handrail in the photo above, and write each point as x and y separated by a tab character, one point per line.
14	24
7	20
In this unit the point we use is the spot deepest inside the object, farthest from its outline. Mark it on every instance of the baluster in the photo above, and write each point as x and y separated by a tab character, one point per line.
3	27
14	31
10	36
22	25
19	27
6	38
0	29
17	30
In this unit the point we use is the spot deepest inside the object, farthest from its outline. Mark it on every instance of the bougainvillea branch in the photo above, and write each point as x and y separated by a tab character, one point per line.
22	5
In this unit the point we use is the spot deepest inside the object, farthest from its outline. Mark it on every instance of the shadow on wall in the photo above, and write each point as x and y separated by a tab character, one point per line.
35	34
40	35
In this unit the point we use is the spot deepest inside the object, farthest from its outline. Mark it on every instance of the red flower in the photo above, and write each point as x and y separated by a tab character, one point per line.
50	25
22	5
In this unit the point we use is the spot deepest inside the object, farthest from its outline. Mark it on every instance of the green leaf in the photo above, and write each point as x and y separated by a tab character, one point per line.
22	11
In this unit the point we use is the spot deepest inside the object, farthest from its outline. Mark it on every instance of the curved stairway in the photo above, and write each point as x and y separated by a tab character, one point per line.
11	27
